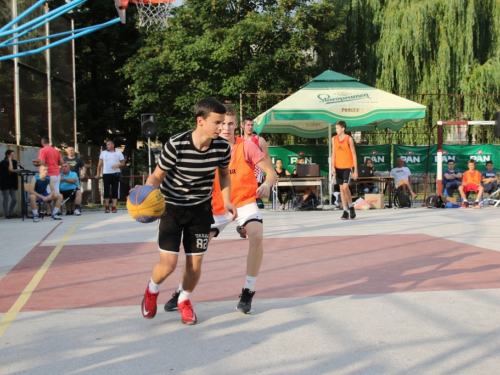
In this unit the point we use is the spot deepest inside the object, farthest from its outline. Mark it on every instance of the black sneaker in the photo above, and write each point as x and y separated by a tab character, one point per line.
171	305
241	231
345	216
245	304
352	213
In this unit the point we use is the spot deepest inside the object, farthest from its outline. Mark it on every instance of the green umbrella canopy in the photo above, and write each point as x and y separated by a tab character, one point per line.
331	97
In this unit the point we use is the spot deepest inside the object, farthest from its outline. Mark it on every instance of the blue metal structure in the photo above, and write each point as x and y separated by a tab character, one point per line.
14	33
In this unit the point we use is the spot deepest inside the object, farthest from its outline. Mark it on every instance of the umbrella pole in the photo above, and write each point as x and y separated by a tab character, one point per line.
330	163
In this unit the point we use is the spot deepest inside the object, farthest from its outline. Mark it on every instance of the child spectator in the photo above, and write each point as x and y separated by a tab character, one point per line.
471	181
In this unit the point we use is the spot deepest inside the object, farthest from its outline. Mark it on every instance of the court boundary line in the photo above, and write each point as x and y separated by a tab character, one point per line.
25	295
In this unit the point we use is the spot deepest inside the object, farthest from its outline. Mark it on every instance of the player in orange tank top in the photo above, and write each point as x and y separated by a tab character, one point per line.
471	181
245	155
343	160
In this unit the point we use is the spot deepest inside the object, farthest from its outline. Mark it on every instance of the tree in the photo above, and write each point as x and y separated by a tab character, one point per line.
102	98
441	47
223	47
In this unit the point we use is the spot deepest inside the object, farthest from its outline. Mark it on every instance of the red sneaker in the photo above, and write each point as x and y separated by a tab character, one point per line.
106	210
188	315
148	306
113	209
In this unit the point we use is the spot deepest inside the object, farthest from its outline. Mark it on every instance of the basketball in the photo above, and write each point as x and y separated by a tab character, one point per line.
145	204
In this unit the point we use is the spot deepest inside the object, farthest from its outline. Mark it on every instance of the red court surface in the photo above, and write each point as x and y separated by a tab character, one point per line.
108	275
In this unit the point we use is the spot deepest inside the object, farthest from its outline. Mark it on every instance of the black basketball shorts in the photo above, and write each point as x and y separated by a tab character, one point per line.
190	224
343	176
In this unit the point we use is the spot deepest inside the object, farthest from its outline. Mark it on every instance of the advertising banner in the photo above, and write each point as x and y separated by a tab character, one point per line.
380	155
311	154
415	157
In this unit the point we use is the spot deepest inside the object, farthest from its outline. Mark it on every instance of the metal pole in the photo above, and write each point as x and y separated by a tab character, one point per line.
330	163
149	155
49	83
439	184
74	86
17	98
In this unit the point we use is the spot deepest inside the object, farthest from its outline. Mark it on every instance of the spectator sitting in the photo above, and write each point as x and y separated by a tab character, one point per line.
370	187
38	193
490	178
471	181
70	191
402	177
309	191
452	177
280	172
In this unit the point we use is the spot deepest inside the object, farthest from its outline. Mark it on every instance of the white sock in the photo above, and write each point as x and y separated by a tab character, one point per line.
54	212
250	283
183	296
35	212
154	288
180	288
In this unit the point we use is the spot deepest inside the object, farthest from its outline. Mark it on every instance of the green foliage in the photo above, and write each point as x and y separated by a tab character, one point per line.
221	48
441	47
102	98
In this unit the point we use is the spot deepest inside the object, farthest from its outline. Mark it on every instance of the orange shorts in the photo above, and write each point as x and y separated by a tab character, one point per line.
470	187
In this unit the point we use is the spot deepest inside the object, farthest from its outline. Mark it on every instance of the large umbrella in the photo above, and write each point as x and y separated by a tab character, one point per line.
331	97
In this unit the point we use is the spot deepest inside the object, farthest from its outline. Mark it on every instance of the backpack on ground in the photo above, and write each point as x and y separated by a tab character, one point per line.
434	201
309	204
402	200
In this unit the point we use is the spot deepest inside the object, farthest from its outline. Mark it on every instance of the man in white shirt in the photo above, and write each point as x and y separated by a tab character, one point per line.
402	177
110	162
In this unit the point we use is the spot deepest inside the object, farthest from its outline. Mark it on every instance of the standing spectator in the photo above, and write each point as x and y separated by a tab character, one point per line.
452	178
110	162
343	160
49	156
402	177
70	191
75	164
9	182
471	181
490	178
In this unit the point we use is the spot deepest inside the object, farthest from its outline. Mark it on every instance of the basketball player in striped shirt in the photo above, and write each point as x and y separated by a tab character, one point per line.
244	190
185	175
343	160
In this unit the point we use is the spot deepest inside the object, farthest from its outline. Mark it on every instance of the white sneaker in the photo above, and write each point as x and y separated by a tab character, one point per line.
57	216
78	212
36	219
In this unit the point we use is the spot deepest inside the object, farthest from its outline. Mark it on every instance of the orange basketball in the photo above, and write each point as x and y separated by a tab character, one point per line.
145	204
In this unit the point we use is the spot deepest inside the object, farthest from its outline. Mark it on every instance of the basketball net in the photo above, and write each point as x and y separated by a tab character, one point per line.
153	13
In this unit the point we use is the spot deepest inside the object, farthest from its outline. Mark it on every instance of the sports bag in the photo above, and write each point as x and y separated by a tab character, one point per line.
434	201
403	200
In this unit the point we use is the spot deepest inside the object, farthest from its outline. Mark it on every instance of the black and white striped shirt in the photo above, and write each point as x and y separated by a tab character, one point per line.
191	172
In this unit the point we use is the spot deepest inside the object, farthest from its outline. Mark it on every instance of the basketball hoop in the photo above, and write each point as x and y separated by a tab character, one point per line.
152	13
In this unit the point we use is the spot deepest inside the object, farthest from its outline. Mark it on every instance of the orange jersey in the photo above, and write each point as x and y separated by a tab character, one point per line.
243	182
343	154
471	178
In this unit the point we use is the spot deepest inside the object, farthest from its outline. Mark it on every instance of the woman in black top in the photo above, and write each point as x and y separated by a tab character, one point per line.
9	182
282	173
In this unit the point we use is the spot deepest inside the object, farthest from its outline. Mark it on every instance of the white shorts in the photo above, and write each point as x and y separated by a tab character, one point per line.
247	213
55	182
